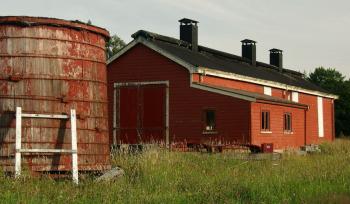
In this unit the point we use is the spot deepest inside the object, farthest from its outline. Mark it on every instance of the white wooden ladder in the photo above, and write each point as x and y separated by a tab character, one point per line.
73	151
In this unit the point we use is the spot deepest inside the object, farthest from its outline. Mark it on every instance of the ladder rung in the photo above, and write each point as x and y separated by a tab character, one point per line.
48	116
46	151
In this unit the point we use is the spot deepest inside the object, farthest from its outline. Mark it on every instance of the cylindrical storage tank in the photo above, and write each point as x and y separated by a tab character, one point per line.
49	66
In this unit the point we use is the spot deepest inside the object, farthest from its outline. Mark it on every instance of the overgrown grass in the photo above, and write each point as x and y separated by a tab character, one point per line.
158	176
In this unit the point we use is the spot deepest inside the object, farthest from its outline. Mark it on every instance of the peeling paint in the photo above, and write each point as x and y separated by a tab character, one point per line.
57	68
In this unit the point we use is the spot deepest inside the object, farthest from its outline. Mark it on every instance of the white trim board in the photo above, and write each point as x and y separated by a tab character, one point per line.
227	75
320	116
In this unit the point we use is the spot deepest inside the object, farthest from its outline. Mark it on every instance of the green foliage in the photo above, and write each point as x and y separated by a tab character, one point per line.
334	82
159	176
114	45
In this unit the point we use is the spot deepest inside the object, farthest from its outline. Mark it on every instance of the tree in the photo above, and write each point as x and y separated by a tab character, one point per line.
334	82
114	45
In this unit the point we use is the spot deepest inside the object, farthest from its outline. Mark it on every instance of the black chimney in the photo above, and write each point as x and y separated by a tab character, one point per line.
276	58
249	50
189	32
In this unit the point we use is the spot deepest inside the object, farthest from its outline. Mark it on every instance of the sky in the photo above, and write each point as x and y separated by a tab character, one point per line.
311	33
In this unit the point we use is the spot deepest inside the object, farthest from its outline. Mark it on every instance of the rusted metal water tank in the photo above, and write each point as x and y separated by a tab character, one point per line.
50	66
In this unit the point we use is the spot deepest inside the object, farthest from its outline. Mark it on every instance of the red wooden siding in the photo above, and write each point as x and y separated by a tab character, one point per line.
153	113
128	115
186	104
142	114
277	135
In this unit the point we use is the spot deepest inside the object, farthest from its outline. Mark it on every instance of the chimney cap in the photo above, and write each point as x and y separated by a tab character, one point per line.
275	50
188	21
248	41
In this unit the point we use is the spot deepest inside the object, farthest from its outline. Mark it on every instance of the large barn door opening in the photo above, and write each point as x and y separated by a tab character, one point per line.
141	113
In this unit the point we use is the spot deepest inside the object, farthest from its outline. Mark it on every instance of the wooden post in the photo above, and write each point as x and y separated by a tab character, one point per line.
18	141
73	120
167	139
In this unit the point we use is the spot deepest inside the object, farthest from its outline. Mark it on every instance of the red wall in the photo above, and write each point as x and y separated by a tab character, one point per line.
233	115
186	103
310	100
229	83
277	136
312	119
328	119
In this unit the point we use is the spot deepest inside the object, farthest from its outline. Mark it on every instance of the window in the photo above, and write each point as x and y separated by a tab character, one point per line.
265	120
210	120
267	90
295	96
287	122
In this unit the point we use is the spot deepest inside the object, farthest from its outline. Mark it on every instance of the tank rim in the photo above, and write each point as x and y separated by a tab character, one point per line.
56	22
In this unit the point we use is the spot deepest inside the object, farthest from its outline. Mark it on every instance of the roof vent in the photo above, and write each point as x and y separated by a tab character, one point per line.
276	58
189	32
249	50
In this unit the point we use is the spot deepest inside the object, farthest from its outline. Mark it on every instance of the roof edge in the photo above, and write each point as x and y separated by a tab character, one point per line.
228	75
249	96
222	92
143	41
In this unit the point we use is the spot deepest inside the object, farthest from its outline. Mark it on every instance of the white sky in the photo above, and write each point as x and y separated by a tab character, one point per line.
311	33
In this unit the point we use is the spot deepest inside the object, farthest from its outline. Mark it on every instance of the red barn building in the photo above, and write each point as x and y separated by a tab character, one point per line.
173	90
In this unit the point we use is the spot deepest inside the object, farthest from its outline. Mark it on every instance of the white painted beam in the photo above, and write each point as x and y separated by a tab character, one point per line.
75	172
18	141
45	116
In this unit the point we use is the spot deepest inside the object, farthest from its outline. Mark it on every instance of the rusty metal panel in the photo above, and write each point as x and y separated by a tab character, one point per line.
51	66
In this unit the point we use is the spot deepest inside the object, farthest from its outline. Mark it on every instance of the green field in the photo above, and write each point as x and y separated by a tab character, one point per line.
158	176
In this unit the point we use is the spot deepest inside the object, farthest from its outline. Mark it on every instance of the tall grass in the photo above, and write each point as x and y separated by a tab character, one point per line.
159	176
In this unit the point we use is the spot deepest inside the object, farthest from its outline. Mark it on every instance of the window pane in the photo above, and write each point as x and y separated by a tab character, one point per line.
209	120
287	122
268	120
265	120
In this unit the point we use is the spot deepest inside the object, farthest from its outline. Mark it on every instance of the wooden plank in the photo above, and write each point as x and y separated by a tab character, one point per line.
115	116
47	116
74	147
46	151
18	141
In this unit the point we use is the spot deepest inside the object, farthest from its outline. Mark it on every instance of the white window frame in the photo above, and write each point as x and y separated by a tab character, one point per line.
267	90
320	116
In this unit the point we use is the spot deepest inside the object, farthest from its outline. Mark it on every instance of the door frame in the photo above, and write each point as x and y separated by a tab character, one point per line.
141	83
